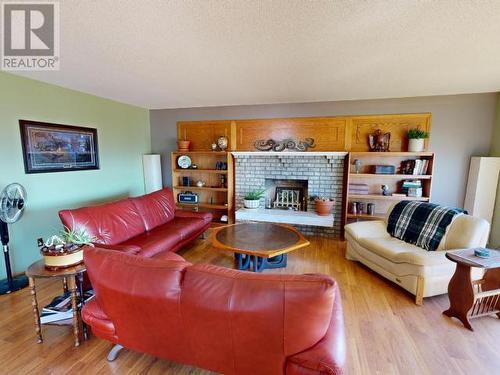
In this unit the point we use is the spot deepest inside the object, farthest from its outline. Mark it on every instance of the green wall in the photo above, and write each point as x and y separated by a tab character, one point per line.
123	135
495	151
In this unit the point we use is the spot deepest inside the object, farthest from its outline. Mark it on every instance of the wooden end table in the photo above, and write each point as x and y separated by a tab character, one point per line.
72	278
474	298
258	246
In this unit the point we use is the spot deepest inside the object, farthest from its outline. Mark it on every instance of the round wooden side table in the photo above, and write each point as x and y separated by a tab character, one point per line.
72	278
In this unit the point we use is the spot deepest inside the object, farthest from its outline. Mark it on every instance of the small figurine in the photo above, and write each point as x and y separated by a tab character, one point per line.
214	146
357	165
379	141
385	190
222	142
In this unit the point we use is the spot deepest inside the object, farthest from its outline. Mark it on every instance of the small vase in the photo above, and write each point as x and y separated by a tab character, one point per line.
183	145
416	145
323	208
252	203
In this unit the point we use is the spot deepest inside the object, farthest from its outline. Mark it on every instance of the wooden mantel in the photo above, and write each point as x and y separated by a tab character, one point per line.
340	133
289	153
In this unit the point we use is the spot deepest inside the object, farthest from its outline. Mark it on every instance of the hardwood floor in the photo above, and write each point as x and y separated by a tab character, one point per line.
386	332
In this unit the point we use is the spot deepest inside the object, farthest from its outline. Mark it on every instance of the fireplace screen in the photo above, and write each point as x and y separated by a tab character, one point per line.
289	198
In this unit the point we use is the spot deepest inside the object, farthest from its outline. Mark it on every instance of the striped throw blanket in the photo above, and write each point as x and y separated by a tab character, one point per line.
420	223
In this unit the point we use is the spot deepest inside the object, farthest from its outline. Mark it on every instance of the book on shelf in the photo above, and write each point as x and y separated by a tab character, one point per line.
421	166
415	192
411	185
358	189
60	309
415	167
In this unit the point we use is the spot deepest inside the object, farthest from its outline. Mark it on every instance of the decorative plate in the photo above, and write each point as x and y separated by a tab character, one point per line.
184	161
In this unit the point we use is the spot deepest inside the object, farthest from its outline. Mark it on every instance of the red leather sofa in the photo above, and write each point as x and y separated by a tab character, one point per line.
223	320
149	225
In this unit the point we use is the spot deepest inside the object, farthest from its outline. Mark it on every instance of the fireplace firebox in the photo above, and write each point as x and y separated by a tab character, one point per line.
286	194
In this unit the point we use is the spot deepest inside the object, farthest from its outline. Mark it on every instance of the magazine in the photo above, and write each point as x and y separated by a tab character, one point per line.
60	308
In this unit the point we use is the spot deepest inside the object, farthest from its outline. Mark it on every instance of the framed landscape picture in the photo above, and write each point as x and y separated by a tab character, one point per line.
58	148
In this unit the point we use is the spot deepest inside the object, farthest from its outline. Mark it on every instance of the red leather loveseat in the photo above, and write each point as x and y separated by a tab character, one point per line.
149	225
228	321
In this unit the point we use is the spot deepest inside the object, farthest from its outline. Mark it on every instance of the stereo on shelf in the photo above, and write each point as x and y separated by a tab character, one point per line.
188	197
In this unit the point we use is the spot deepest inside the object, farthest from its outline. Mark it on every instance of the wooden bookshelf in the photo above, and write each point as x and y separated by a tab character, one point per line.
197	170
395	175
377	197
202	205
393	181
213	197
201	188
376	216
405	154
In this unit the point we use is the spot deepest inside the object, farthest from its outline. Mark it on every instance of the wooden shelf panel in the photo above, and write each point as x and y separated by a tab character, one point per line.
203	205
200	188
392	154
386	197
377	216
382	175
216	171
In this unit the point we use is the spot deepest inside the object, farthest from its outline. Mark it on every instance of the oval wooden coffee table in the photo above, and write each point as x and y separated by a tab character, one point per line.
258	246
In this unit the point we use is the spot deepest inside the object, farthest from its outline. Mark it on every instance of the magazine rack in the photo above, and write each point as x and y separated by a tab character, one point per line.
474	298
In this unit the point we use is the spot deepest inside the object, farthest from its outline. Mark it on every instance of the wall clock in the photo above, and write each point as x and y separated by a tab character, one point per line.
184	161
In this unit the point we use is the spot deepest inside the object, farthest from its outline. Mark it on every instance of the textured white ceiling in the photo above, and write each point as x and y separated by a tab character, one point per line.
170	54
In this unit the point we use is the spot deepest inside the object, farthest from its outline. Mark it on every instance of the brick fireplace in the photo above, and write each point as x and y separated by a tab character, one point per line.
315	173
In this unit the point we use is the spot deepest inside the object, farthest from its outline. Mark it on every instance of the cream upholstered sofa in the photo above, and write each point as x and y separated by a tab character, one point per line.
421	272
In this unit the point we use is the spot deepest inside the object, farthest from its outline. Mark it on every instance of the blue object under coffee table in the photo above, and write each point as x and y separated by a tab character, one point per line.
258	246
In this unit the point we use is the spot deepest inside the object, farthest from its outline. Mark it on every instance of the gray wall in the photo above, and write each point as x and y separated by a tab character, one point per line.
462	126
495	151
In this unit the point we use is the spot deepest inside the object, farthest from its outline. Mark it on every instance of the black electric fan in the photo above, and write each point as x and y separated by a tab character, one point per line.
12	203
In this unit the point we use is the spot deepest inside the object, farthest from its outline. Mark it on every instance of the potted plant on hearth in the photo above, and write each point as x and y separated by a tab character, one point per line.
252	198
416	138
323	205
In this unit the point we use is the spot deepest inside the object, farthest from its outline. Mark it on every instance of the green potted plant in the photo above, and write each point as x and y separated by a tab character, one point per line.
252	198
66	249
416	138
323	205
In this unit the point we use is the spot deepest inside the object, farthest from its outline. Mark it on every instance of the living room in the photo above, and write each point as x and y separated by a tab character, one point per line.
269	187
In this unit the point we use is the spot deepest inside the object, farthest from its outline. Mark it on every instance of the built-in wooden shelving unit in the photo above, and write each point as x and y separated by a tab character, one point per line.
390	176
331	134
198	170
374	181
376	216
215	196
